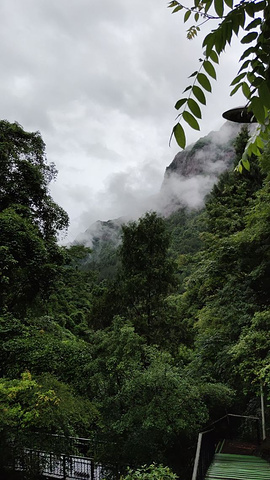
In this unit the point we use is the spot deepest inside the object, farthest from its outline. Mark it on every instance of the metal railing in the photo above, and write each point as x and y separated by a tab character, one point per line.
233	427
205	452
54	456
64	467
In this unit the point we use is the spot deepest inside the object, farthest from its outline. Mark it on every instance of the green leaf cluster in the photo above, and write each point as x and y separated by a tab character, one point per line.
253	74
151	472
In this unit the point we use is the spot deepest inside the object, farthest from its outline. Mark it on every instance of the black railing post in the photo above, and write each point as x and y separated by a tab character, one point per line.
197	458
258	431
13	458
92	467
229	427
64	467
204	454
23	461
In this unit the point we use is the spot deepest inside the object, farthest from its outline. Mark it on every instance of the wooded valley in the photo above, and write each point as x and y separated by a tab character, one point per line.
149	343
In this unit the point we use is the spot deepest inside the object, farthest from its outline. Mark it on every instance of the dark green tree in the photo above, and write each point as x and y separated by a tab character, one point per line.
227	203
25	176
220	297
70	301
29	220
149	405
148	272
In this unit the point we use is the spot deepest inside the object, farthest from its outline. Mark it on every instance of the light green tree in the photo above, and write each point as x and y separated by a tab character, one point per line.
29	404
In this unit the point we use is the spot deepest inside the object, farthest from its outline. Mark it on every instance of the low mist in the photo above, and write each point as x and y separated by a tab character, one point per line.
187	180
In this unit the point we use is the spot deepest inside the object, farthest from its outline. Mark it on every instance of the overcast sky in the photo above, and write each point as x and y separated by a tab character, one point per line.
99	80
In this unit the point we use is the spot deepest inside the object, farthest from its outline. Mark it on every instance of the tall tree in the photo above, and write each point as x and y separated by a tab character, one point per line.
221	294
29	219
25	176
147	269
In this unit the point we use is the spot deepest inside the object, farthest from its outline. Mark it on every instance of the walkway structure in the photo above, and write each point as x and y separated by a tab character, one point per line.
49	462
229	450
238	467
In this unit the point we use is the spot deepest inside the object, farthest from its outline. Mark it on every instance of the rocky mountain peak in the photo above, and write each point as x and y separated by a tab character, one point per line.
209	155
194	171
187	180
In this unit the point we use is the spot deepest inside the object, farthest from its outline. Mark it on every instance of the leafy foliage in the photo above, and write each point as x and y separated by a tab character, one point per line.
27	261
25	176
24	401
147	269
71	299
139	359
45	405
228	200
151	472
147	403
251	353
253	75
29	220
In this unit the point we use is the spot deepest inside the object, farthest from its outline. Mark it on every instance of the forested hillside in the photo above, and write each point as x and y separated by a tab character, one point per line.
140	358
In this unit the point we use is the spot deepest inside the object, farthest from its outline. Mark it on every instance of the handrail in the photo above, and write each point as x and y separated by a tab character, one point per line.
198	452
234	415
212	436
61	466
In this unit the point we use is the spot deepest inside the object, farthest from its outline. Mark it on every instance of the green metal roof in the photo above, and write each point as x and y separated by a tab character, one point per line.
238	467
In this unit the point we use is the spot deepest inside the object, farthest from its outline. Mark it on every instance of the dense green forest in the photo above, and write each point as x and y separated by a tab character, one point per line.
141	359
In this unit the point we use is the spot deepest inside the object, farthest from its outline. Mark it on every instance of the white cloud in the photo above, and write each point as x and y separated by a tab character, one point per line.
99	80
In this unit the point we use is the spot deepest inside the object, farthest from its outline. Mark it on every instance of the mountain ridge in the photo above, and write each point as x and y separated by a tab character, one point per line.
187	180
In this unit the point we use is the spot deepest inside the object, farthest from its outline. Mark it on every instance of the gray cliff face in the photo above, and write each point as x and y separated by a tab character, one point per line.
187	180
209	155
194	171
